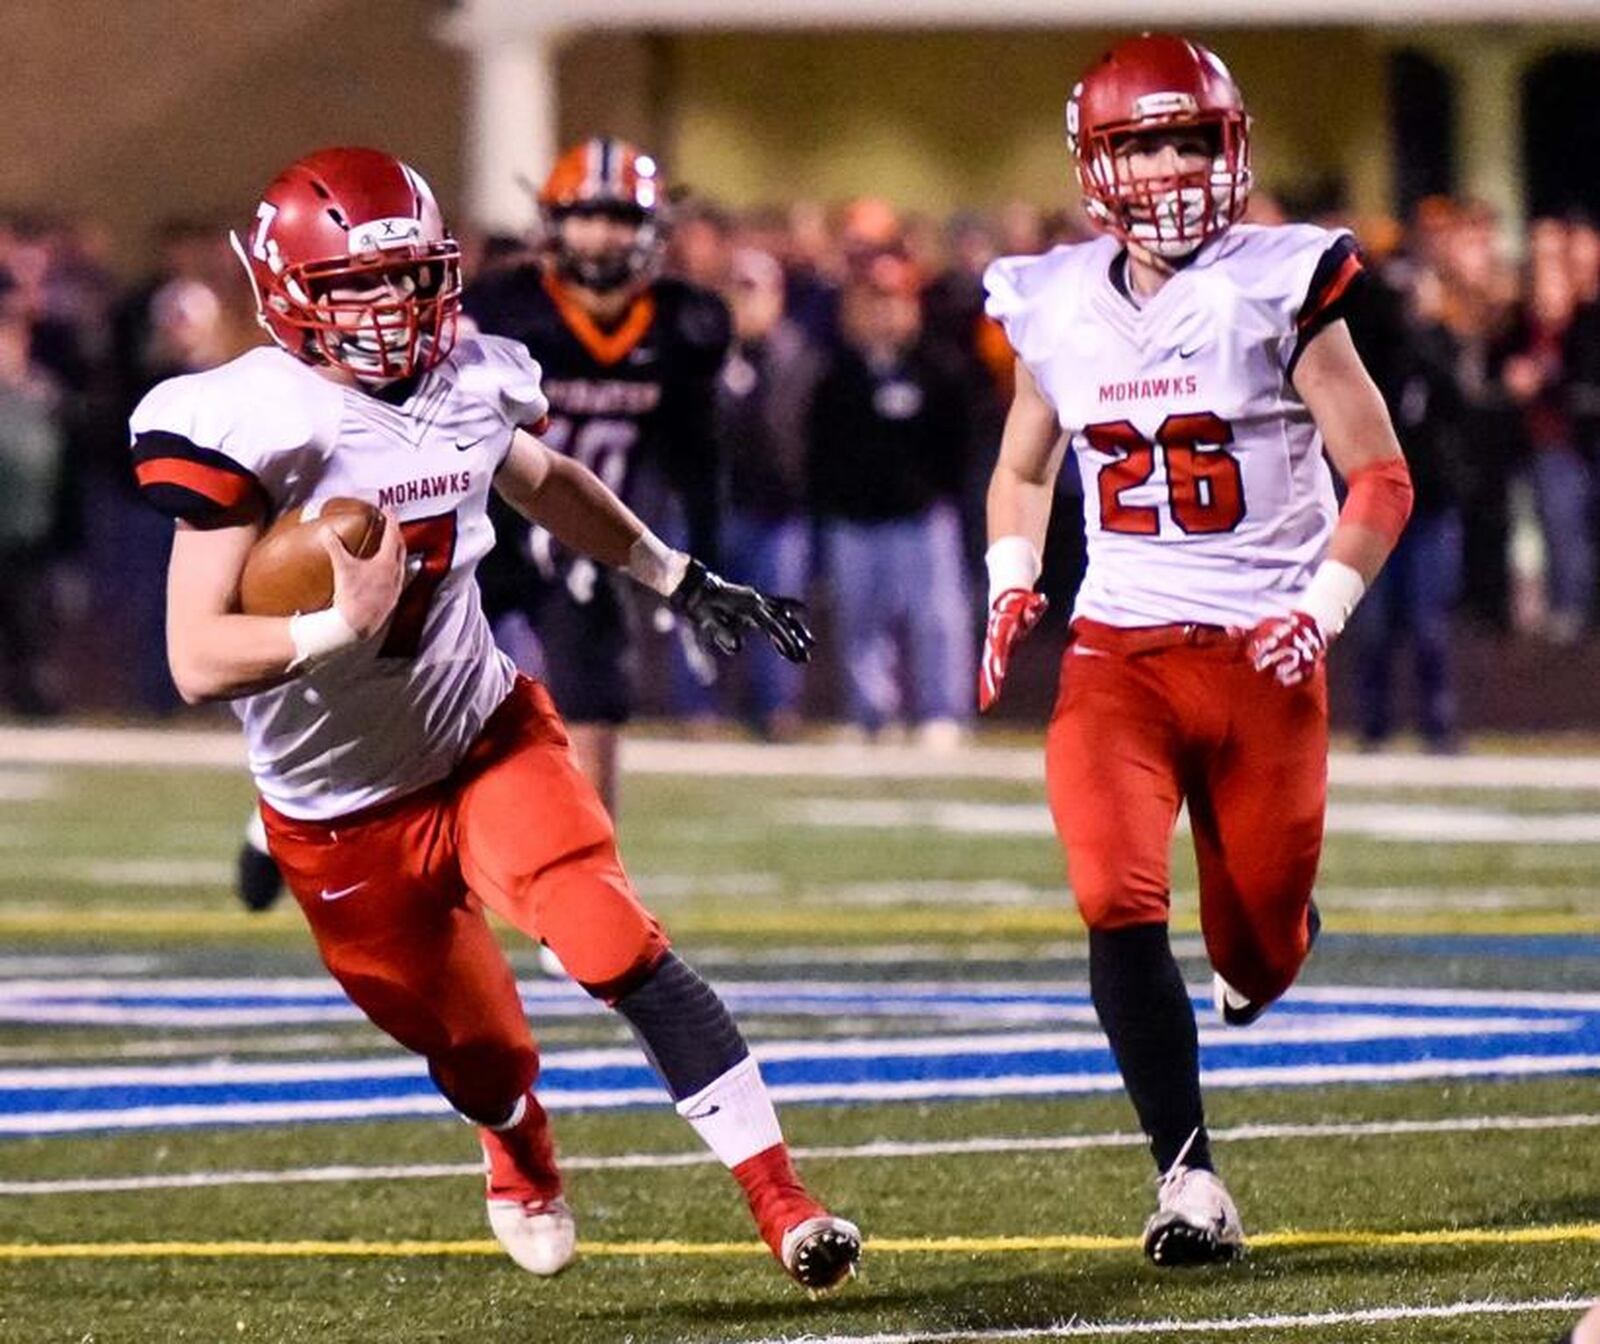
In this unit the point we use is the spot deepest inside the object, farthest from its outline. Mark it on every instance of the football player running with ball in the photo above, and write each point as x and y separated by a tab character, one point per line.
1196	369
410	778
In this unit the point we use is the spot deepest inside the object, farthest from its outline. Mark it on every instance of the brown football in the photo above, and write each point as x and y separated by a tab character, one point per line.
287	571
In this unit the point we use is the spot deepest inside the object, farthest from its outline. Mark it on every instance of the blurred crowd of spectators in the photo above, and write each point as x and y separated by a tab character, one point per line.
859	414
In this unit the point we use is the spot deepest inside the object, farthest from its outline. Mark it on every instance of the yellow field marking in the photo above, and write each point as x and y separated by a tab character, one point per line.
1055	921
146	920
1366	1240
122	1250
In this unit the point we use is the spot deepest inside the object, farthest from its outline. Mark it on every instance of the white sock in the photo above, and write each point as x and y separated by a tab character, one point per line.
733	1114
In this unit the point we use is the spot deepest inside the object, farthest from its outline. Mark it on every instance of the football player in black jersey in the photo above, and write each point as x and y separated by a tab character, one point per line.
630	361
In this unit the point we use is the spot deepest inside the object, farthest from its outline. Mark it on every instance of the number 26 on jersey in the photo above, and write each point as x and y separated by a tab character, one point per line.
1205	486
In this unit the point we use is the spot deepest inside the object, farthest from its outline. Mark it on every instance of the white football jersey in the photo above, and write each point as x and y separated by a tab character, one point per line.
396	712
1206	496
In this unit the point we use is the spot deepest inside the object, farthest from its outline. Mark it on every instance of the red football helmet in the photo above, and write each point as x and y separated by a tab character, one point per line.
1157	82
352	266
608	177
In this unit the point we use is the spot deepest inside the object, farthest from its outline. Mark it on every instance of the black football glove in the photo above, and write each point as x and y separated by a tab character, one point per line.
720	613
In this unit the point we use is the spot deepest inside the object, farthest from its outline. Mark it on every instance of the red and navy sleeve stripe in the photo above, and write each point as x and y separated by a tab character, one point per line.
199	485
1328	294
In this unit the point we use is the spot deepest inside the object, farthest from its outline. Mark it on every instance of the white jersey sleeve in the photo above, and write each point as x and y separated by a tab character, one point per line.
221	445
502	374
1037	299
1296	276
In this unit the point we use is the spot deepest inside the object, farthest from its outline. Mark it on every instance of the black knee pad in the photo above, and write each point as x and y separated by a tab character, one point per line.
484	1079
684	1027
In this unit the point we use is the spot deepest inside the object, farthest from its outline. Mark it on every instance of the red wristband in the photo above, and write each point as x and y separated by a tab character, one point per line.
1379	498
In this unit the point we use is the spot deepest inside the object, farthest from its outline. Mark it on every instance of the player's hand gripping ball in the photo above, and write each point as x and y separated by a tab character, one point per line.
288	570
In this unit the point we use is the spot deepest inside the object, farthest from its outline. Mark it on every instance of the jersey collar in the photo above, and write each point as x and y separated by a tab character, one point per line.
606	347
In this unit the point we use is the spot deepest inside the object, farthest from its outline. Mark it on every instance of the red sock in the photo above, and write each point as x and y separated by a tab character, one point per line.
522	1159
777	1199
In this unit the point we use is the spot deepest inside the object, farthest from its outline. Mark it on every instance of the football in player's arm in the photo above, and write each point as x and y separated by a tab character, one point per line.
1197	369
219	653
410	778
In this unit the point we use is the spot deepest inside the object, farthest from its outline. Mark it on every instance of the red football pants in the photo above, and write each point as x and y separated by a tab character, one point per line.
1149	718
395	896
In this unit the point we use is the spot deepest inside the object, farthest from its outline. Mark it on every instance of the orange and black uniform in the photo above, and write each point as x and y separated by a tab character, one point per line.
633	403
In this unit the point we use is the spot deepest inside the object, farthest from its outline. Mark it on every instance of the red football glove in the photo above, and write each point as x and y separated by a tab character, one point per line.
1287	647
1014	613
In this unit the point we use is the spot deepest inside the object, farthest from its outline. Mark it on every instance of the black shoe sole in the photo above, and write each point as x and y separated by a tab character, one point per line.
826	1258
1243	1017
258	881
1180	1246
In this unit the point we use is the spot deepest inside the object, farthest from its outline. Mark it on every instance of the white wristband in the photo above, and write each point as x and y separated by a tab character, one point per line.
316	634
1012	562
655	564
1331	596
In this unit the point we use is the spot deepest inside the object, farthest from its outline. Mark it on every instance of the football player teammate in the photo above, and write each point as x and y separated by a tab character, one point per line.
630	365
410	778
1196	369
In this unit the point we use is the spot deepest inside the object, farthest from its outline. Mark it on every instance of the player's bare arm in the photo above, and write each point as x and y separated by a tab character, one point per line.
563	495
568	499
218	653
1358	436
1032	447
1359	439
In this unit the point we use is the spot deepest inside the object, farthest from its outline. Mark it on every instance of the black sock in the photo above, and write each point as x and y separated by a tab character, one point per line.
683	1026
1144	1010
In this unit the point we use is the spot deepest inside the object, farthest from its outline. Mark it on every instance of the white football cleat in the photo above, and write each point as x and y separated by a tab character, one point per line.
542	1238
1195	1222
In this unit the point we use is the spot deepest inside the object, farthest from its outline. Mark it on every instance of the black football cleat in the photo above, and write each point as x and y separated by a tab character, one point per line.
258	880
1235	1008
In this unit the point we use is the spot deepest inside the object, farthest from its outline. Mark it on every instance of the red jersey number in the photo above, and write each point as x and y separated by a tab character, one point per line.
433	542
1205	485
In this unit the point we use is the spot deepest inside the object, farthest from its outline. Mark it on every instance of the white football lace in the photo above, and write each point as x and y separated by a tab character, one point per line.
1176	1171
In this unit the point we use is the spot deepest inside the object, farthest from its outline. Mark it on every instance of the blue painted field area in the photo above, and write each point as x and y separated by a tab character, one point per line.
917	1041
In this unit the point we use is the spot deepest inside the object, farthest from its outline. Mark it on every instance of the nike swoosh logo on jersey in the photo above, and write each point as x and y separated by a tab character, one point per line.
1189	353
462	445
704	1114
342	892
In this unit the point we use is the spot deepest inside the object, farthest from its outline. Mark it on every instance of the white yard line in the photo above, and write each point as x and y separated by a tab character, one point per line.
146	872
1428	823
207	1048
224	749
881	1150
26	786
1286	1029
820	992
1237	1325
92	964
